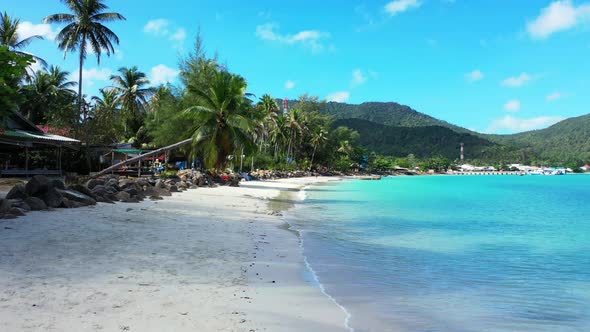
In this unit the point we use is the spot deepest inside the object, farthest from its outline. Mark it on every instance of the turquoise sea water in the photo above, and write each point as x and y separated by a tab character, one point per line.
453	253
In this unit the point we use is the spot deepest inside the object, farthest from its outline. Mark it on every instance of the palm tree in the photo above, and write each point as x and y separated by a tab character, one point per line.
221	125
107	103
268	112
319	137
131	86
9	37
107	114
46	92
296	128
85	29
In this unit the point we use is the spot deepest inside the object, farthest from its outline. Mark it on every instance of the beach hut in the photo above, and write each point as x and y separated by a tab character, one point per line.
19	137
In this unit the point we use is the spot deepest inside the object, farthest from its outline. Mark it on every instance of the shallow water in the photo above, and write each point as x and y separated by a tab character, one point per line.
453	253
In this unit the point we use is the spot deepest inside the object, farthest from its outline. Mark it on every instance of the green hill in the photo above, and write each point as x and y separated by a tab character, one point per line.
423	142
391	128
565	142
390	114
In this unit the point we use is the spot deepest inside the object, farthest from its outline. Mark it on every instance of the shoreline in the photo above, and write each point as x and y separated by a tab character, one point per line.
214	259
308	266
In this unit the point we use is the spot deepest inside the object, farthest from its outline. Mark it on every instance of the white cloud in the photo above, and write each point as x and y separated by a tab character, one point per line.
34	67
92	75
555	96
559	16
511	124
358	78
162	74
289	84
27	29
517	81
474	76
400	6
179	35
158	27
512	106
309	38
340	97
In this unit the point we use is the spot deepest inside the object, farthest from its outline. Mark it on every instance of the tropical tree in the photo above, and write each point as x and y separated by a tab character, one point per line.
296	129
49	97
319	138
221	125
106	124
9	37
12	70
132	87
85	31
268	112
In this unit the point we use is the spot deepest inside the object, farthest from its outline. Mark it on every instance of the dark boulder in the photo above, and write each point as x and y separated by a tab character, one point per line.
19	203
77	197
52	198
39	184
57	184
17	192
90	184
5	206
123	196
69	204
82	189
36	204
173	189
102	199
16	212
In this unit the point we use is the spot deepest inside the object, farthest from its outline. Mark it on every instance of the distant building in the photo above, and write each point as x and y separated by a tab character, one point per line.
585	168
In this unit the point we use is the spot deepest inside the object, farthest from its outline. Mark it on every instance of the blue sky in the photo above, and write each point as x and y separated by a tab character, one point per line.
498	66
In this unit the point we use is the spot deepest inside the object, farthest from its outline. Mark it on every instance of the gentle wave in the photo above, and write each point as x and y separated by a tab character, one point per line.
301	196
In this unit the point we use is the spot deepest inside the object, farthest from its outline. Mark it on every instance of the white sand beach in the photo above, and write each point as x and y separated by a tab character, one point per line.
202	260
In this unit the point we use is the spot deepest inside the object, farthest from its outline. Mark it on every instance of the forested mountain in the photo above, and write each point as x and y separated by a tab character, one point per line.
390	114
395	129
565	142
423	142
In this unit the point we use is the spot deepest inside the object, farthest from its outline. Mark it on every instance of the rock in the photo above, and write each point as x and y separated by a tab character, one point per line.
78	197
102	199
17	192
16	212
90	184
5	206
37	185
123	196
131	191
57	184
155	198
164	192
7	216
69	204
19	203
82	189
142	182
36	204
52	198
173	189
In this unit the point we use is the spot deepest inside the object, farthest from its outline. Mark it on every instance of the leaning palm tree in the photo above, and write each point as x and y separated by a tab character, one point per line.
85	29
221	125
132	87
9	37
